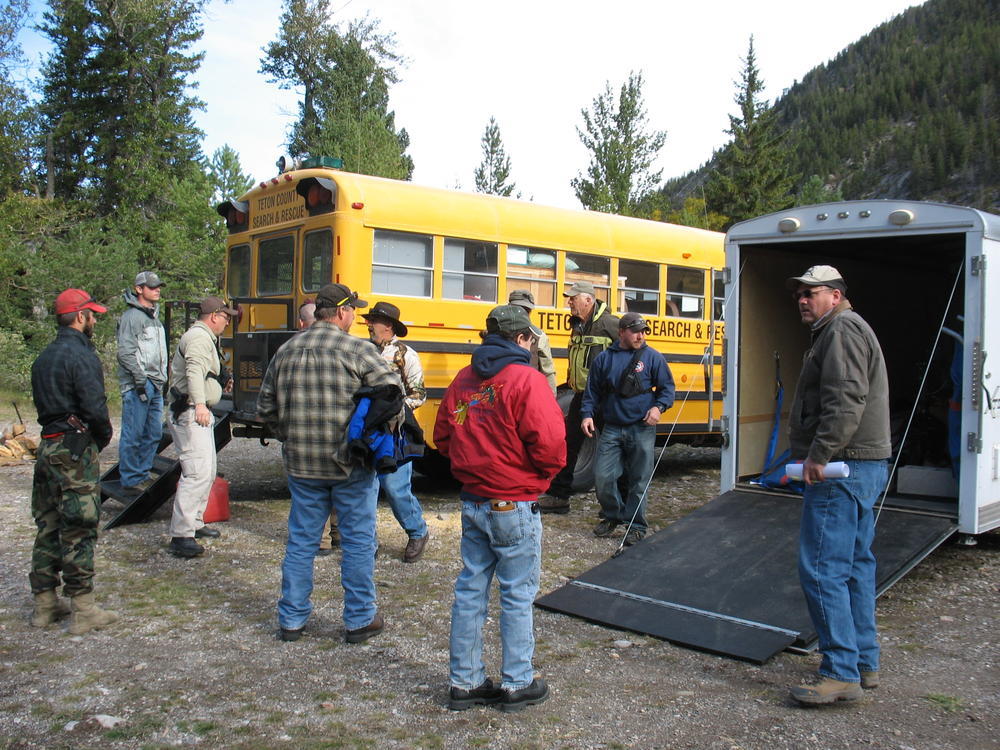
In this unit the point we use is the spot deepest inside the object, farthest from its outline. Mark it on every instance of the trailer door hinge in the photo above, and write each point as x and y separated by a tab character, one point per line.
725	431
977	265
976	376
974	444
727	275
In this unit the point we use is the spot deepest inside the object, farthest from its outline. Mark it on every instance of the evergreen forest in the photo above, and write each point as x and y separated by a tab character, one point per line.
910	111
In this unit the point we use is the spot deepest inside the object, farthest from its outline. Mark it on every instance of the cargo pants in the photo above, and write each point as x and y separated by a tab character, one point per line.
65	504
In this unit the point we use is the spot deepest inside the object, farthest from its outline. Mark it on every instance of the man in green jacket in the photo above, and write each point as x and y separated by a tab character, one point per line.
840	413
594	329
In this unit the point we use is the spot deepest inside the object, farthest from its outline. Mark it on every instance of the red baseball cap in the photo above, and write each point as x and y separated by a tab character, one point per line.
75	300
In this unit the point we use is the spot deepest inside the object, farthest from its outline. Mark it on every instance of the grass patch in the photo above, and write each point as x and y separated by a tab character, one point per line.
947	703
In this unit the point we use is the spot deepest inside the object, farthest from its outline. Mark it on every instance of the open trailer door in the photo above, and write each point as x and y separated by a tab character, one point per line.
724	579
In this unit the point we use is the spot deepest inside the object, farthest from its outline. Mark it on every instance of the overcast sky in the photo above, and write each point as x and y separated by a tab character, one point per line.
533	65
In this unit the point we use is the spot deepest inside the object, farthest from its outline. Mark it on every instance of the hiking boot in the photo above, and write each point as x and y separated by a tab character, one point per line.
553	504
605	527
290	634
869	680
821	690
484	695
517	700
415	548
88	616
48	609
360	635
633	537
184	546
207	532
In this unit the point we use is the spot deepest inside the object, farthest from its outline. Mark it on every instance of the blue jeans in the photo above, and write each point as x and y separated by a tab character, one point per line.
354	500
623	446
405	506
509	544
142	426
837	568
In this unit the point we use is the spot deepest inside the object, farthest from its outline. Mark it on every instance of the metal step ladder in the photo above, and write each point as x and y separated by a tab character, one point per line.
164	475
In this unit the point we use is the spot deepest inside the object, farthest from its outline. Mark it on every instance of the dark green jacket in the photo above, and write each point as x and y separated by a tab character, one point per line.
588	339
841	406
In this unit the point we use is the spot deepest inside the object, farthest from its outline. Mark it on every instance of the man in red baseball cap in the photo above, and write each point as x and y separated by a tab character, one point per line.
67	384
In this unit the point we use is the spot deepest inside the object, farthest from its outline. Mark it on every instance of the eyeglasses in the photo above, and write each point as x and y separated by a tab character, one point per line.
810	292
223	312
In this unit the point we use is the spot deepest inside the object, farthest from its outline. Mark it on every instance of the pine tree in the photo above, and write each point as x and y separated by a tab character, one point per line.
493	173
115	101
16	120
622	150
226	175
344	76
751	176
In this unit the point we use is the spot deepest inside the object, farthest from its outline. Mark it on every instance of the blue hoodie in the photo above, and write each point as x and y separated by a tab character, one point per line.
495	353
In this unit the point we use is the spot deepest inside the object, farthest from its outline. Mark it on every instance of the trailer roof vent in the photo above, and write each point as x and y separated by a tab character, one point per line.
901	218
789	225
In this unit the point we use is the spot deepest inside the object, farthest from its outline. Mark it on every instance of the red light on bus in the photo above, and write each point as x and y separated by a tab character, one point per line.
436	325
288	177
235	218
318	196
685	255
358	205
263	184
239	317
274	180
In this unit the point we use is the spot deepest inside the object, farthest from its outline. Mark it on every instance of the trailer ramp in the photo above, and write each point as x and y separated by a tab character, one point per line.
724	579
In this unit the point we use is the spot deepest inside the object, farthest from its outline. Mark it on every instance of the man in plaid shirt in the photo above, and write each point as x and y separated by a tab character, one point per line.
306	399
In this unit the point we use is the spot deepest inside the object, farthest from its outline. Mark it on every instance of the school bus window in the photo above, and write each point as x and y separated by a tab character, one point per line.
590	268
685	292
402	264
238	282
275	264
718	296
470	270
532	269
640	286
317	260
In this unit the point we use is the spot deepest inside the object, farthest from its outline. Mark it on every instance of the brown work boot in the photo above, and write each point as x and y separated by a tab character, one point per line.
88	616
553	504
869	680
415	548
359	635
48	609
822	690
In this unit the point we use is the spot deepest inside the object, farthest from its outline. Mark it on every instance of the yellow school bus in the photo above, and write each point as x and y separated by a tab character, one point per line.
445	258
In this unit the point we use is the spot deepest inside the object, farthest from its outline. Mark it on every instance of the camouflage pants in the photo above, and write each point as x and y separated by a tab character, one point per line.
65	503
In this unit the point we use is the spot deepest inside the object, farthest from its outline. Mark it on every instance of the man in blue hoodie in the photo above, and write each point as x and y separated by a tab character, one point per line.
142	373
631	384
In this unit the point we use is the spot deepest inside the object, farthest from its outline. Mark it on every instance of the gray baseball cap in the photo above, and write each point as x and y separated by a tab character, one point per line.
522	297
818	276
148	278
580	287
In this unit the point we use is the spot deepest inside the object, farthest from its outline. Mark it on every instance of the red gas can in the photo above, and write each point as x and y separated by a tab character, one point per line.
218	502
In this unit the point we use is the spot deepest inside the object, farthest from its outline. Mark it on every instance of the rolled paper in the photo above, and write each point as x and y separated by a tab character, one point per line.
833	470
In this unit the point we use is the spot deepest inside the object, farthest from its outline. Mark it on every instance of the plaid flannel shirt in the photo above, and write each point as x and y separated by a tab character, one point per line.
306	397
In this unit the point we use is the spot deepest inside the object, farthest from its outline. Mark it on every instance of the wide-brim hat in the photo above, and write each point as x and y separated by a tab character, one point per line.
388	312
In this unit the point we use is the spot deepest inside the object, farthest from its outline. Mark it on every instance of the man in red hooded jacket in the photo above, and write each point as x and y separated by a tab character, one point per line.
504	432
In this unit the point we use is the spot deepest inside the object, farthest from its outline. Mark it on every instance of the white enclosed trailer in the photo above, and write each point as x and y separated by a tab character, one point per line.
920	274
724	578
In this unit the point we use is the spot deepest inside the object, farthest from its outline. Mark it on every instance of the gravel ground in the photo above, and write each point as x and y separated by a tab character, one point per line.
194	659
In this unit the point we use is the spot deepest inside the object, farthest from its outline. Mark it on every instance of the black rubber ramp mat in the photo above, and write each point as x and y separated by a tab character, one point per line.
724	579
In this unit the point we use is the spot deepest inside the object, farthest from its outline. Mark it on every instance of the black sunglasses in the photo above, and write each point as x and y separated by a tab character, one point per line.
811	292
